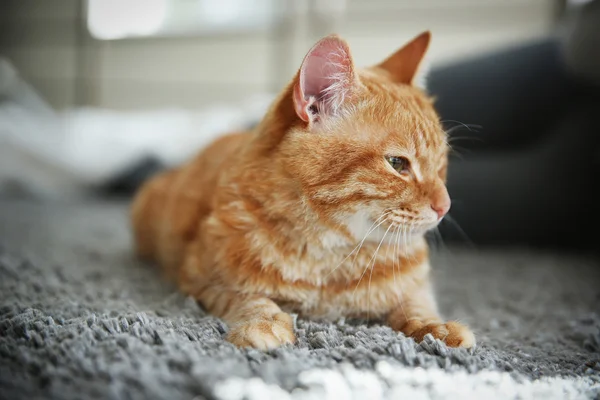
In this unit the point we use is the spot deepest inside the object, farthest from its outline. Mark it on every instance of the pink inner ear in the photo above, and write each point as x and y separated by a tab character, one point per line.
326	77
319	73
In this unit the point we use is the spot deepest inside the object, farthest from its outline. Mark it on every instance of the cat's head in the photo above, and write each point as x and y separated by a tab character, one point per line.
367	146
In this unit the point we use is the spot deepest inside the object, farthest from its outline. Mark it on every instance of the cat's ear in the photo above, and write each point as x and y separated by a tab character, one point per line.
405	65
326	78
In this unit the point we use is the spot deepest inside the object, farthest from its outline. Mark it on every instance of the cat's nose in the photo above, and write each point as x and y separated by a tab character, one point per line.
441	206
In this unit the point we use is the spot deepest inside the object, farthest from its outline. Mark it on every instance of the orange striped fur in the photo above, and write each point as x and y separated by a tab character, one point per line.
306	213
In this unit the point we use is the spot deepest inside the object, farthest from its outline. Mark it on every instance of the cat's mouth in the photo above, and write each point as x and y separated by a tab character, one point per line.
413	227
412	223
389	225
397	229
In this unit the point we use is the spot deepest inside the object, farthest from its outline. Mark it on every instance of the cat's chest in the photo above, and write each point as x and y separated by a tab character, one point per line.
363	283
339	269
324	279
374	299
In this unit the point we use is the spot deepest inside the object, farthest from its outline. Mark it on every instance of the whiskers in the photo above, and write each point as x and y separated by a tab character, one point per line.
459	229
460	125
376	224
436	240
396	241
400	241
372	263
451	137
443	253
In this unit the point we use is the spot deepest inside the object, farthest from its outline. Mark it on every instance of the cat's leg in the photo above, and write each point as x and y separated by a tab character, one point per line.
254	321
417	316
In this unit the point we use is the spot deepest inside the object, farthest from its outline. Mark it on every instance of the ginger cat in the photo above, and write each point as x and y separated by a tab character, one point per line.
321	210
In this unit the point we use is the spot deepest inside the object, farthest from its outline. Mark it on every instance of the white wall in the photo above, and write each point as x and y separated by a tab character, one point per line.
47	42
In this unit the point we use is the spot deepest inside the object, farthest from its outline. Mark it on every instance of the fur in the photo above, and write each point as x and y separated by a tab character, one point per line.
304	214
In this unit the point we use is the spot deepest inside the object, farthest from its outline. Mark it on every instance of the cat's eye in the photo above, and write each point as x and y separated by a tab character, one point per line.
400	164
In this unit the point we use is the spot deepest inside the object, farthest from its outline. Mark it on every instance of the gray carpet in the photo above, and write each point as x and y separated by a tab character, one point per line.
80	318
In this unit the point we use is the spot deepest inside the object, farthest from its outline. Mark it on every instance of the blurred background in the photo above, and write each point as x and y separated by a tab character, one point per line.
97	95
140	54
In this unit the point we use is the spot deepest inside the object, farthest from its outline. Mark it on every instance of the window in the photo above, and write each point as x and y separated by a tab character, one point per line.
118	19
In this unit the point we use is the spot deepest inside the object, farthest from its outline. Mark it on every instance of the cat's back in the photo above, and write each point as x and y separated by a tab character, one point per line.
167	210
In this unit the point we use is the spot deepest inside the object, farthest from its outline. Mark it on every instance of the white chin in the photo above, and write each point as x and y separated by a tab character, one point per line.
362	226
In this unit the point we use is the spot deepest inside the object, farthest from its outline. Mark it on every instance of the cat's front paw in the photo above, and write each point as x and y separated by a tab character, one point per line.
263	332
452	333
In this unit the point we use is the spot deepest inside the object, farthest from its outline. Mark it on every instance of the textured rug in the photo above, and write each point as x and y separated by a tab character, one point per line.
80	318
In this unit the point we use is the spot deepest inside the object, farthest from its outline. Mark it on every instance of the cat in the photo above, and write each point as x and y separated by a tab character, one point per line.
320	210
